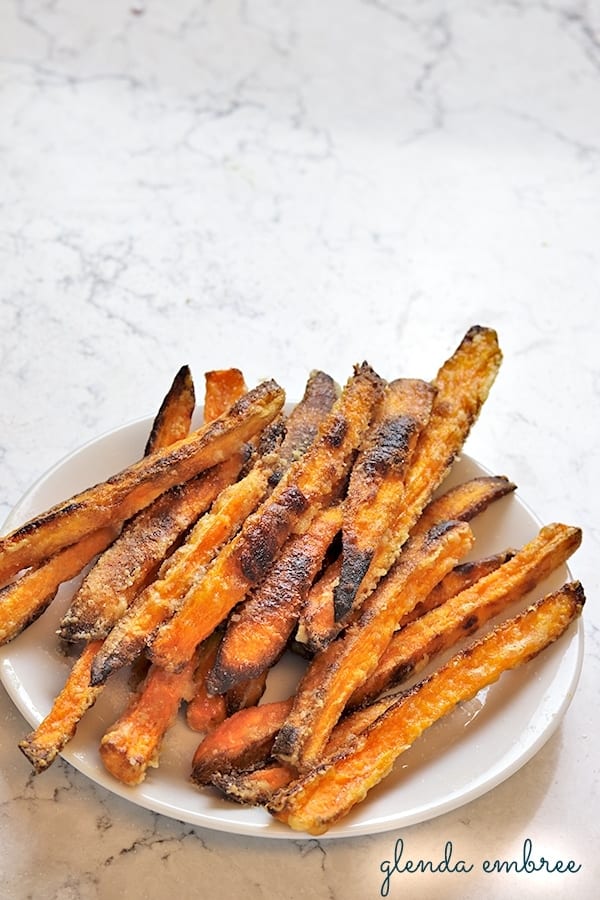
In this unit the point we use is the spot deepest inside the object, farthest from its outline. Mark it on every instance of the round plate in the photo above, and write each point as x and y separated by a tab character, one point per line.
461	757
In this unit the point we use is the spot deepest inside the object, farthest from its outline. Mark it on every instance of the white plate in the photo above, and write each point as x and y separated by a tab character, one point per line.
469	752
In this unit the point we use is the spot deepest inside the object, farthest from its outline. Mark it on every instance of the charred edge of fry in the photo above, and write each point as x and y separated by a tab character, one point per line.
129	490
329	792
465	500
172	422
266	533
246	693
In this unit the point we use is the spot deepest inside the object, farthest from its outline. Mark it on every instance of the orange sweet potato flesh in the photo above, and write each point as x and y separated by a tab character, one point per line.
314	803
310	483
412	647
42	746
337	671
258	633
125	493
205	711
222	388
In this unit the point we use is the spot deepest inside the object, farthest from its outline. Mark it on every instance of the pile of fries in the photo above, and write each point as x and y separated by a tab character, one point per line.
324	530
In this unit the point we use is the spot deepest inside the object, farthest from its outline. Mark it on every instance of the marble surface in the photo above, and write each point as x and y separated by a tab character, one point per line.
285	186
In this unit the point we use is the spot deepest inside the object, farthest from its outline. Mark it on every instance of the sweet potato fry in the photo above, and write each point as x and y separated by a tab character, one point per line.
232	504
337	671
317	623
305	419
258	633
222	388
124	494
173	420
205	711
375	491
461	577
133	742
253	787
241	740
324	796
42	746
23	600
310	483
414	646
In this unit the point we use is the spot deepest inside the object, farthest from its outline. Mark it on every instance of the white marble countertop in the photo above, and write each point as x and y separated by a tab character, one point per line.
281	186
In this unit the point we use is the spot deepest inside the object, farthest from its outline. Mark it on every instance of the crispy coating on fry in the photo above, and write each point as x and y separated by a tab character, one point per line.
125	493
172	422
23	600
337	671
258	633
42	746
418	643
205	711
222	388
310	483
375	490
315	802
246	693
304	420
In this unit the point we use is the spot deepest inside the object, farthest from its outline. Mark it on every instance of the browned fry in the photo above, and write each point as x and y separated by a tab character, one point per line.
317	624
315	802
242	740
414	646
310	484
133	742
305	419
375	493
337	671
462	385
232	504
124	494
23	600
258	633
222	388
205	711
173	420
42	746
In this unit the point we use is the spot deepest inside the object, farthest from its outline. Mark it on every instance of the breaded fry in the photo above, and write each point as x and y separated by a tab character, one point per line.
173	420
337	671
314	803
222	388
240	741
232	504
305	419
124	494
317	625
253	787
42	746
23	600
246	693
414	646
376	488
310	483
133	742
258	633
